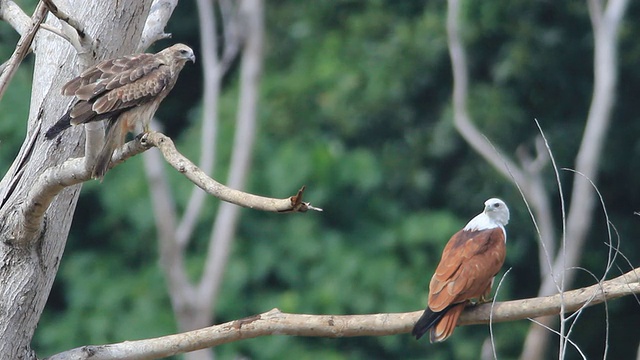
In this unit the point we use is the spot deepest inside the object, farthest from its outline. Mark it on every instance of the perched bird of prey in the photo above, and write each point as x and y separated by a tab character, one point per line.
125	91
470	260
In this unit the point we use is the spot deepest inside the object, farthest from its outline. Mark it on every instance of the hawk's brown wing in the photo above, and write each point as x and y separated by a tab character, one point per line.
113	86
116	85
469	262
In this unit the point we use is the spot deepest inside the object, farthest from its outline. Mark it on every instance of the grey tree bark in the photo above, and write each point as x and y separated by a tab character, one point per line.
30	252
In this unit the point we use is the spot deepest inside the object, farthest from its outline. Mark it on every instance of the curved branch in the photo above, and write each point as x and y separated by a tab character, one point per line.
198	177
275	322
461	118
74	32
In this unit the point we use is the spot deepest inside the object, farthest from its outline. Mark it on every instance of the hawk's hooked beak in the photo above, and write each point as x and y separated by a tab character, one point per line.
187	54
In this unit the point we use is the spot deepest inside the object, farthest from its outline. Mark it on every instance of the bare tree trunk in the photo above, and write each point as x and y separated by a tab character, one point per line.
193	303
605	22
28	265
555	256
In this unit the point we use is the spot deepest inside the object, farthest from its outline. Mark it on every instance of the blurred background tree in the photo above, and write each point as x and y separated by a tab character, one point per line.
355	103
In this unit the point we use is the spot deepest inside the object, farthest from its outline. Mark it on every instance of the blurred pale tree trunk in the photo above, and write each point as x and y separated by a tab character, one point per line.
242	30
30	251
558	256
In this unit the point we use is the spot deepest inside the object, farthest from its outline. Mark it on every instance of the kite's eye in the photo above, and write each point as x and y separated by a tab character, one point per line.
496	205
184	52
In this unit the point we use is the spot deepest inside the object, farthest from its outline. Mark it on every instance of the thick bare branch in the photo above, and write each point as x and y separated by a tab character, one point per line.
22	49
27	217
275	322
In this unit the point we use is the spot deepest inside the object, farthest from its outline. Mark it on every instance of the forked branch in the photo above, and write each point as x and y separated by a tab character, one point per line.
73	31
275	322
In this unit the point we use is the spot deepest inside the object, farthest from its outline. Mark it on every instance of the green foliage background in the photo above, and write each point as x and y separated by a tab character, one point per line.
356	104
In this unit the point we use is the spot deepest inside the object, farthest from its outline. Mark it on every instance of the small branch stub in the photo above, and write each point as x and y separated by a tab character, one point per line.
297	205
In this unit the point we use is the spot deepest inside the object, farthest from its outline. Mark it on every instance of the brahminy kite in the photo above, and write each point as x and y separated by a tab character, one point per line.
470	260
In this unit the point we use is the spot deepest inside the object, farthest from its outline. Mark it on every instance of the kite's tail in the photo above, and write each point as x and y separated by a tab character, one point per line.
61	125
441	323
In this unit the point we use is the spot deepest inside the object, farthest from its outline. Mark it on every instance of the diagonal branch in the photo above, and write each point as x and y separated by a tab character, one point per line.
27	217
461	118
22	48
15	16
275	322
199	178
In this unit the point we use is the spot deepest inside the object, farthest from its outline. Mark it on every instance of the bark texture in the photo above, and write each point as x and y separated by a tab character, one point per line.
30	251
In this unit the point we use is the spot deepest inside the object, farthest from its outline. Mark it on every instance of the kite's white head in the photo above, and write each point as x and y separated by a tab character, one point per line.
495	214
497	211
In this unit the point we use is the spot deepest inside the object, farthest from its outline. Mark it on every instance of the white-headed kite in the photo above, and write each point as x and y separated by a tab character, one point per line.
470	260
126	91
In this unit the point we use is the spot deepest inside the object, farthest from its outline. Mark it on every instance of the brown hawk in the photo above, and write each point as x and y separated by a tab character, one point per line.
125	91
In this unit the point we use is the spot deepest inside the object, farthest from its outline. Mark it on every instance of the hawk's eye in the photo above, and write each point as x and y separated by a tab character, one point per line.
496	205
184	52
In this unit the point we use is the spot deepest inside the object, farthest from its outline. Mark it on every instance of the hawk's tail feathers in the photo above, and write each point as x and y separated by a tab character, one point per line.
113	139
61	125
441	323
